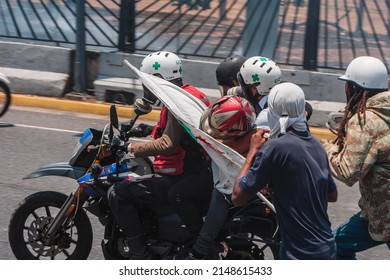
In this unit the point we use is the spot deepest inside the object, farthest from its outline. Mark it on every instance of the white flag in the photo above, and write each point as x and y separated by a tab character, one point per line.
188	110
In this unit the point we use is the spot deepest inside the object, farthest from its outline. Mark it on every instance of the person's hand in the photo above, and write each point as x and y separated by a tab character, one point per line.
118	145
258	139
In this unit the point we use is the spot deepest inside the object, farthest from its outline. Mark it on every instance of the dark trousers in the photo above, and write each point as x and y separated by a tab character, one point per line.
215	218
190	198
124	197
153	189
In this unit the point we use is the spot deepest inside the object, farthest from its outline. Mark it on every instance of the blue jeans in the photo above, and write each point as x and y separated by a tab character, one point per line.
352	237
215	218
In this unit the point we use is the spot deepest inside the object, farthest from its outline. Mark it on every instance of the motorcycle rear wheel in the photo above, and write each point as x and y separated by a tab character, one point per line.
254	246
35	213
5	98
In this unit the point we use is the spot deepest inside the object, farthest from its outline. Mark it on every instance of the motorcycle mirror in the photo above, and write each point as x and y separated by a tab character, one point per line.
142	106
114	117
334	119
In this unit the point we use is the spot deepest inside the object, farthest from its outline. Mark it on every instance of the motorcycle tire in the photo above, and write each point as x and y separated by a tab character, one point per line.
32	215
5	98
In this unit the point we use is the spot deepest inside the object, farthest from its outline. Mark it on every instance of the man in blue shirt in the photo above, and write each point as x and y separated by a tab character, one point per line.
294	165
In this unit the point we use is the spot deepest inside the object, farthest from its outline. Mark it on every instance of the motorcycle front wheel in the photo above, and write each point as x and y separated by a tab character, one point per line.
30	219
5	98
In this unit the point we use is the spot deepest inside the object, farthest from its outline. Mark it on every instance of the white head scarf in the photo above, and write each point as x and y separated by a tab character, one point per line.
286	108
262	119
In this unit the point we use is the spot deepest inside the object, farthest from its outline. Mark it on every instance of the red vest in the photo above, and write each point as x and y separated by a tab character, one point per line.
173	164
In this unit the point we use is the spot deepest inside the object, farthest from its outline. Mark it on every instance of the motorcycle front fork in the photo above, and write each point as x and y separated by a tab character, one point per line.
66	214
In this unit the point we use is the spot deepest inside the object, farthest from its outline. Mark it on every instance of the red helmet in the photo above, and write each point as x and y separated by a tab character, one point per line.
229	116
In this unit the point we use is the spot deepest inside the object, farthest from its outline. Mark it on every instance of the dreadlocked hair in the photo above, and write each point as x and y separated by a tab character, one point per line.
355	105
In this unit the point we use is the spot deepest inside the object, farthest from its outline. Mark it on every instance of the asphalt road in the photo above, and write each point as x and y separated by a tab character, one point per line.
38	137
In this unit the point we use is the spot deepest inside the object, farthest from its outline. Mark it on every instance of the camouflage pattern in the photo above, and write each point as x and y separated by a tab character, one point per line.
365	158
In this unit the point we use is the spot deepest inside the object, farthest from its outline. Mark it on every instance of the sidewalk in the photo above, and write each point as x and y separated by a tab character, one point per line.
91	106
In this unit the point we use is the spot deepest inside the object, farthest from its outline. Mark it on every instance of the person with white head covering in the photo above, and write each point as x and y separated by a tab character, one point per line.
286	109
294	165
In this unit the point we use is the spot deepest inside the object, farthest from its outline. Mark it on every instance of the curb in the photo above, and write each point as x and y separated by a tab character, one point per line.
322	133
90	107
101	108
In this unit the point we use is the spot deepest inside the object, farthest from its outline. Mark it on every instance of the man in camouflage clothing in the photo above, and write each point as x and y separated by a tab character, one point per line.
361	153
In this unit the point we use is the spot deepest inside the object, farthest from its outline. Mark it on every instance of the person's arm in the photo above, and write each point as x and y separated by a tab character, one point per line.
240	144
164	145
239	197
357	156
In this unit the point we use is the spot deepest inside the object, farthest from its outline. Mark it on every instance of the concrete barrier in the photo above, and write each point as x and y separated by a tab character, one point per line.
36	69
46	71
323	90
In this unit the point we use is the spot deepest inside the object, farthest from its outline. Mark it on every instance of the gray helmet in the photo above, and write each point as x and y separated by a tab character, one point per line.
367	72
226	72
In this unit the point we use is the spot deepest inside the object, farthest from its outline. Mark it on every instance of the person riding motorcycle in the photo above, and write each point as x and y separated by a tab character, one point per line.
230	72
231	120
226	75
191	203
175	154
257	76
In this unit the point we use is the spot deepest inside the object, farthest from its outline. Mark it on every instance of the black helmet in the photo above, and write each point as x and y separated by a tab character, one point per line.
227	70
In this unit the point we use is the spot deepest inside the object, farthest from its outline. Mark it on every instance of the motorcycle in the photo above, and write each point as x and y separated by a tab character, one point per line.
5	94
51	225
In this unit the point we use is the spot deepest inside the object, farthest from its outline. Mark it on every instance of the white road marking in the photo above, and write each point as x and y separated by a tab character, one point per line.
146	139
48	128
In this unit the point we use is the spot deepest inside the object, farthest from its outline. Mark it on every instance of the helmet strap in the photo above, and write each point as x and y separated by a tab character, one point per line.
178	82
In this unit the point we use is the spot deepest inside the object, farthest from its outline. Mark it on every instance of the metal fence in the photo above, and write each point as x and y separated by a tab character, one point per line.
211	28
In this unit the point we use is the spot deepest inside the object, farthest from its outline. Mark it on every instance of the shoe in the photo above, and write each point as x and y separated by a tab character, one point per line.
221	251
138	249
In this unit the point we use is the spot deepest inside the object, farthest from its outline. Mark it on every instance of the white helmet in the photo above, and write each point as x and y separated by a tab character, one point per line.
368	72
261	71
166	64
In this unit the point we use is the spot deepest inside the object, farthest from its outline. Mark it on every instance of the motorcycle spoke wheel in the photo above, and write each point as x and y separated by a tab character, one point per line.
31	218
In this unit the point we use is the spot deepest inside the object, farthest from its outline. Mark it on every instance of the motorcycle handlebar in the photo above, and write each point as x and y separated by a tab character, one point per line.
134	132
142	130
